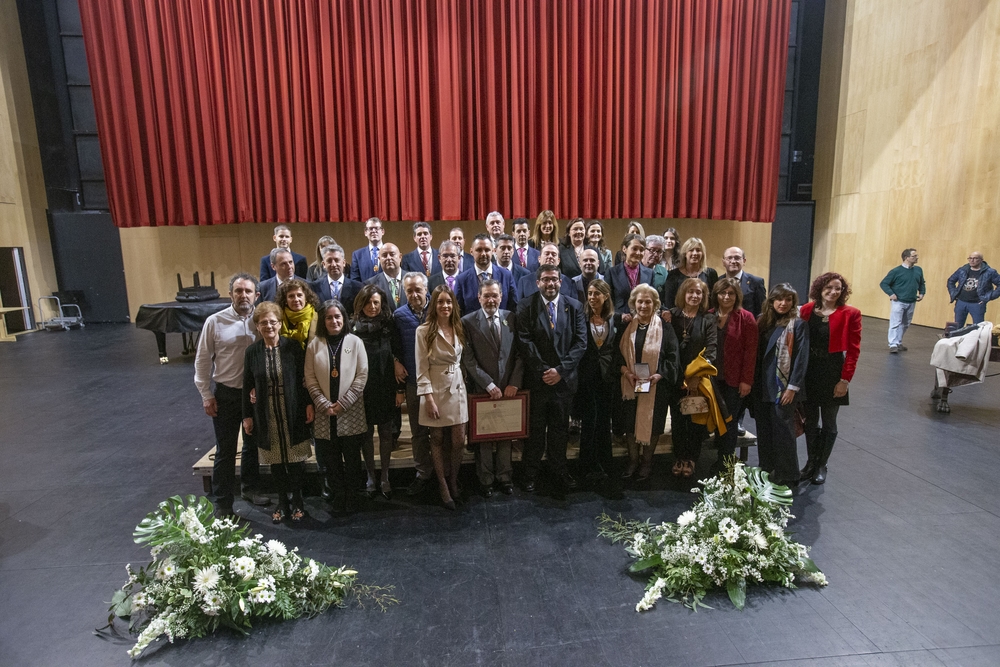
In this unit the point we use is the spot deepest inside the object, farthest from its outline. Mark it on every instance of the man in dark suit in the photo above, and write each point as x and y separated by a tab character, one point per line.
465	261
590	261
335	285
493	367
284	269
504	258
390	278
365	261
495	225
524	254
448	253
618	276
754	291
553	336
283	239
425	258
467	285
528	285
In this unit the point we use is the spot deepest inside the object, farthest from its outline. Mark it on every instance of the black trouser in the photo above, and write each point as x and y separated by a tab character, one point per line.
776	439
594	401
228	423
685	435
726	445
288	480
340	460
549	423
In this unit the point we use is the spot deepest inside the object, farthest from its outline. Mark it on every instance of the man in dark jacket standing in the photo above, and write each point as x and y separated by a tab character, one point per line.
972	287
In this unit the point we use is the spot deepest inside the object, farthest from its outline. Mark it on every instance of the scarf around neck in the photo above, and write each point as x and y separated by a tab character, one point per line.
296	324
651	353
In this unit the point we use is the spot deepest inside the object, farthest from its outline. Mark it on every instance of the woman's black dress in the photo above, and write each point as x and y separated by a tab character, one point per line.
825	367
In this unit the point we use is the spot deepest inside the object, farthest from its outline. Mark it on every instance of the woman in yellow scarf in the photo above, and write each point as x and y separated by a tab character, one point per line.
298	306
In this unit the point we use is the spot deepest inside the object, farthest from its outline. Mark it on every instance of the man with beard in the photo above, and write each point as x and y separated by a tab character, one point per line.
467	285
219	360
553	336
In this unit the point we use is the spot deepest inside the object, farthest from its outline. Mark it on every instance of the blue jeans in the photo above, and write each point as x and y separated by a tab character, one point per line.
963	308
900	316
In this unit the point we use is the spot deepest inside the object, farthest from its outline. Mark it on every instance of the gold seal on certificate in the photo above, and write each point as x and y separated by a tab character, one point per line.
498	419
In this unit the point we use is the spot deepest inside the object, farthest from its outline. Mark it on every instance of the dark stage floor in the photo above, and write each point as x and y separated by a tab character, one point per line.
95	433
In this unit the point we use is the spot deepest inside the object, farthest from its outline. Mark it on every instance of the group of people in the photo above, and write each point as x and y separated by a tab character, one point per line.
324	355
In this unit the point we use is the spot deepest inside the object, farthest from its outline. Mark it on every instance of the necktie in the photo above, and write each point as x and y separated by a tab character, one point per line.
427	268
451	282
335	289
521	252
552	314
394	289
482	277
375	259
495	330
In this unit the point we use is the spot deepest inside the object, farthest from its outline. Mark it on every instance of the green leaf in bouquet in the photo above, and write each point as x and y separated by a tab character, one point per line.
121	604
809	566
764	490
645	564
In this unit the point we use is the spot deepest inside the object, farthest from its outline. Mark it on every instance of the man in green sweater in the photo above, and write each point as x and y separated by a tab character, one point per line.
905	286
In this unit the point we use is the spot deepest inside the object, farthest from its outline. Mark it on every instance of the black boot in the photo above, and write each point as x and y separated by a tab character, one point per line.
327	491
820	476
814	449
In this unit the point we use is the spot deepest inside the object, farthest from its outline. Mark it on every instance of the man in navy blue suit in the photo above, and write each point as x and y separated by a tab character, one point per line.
467	285
754	291
504	257
448	253
552	333
284	269
335	285
283	239
495	226
528	285
365	261
524	254
425	258
465	260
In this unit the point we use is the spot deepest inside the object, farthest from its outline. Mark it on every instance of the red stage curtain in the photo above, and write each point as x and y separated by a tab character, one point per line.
222	111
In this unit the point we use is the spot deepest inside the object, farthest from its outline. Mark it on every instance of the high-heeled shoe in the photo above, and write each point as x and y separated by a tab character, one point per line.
449	505
279	515
386	491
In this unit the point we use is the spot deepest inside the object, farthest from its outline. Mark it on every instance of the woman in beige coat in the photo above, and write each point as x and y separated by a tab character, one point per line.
441	387
336	372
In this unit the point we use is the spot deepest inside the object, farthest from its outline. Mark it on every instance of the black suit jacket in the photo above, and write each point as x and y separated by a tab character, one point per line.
437	280
617	279
483	361
467	290
528	285
267	289
543	347
754	293
348	291
412	262
380	281
301	266
516	270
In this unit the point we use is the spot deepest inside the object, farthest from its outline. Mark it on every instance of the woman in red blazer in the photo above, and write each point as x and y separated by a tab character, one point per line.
736	357
834	346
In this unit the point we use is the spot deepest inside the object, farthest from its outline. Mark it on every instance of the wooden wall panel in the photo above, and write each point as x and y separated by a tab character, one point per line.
911	156
155	255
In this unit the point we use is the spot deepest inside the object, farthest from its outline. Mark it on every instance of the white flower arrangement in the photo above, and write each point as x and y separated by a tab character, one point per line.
207	572
733	536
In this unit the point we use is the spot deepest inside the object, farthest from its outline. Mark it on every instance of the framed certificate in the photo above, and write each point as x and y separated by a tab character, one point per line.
642	382
498	419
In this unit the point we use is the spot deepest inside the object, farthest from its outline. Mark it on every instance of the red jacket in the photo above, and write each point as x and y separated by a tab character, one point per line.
740	351
845	334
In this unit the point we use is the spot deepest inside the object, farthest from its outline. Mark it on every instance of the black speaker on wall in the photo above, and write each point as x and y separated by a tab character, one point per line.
14	290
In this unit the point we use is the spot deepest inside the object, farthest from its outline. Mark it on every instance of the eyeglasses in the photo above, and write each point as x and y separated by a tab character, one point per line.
548	280
268	324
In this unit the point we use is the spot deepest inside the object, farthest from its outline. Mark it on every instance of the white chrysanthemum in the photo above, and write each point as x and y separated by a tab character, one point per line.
312	570
686	518
277	548
206	579
166	570
139	601
729	530
243	566
214	599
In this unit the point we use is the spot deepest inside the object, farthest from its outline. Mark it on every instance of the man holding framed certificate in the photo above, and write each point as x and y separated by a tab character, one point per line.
553	336
493	368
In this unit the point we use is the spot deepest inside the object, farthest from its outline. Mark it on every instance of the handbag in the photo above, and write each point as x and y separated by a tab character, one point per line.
694	405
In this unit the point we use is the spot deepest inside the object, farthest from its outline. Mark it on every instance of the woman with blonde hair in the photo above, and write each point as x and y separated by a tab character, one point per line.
441	387
546	230
298	306
691	265
647	340
316	269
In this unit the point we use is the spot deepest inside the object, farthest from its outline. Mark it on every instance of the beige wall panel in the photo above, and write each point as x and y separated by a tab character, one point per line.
154	256
915	135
